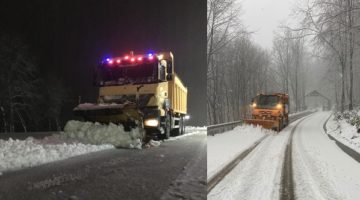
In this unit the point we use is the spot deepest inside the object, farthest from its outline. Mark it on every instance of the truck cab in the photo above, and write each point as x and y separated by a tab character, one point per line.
140	90
270	110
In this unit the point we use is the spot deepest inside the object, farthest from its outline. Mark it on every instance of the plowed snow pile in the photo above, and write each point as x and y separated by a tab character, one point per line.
17	154
78	138
95	133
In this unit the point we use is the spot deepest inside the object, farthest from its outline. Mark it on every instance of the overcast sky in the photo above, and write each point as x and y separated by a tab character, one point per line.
263	17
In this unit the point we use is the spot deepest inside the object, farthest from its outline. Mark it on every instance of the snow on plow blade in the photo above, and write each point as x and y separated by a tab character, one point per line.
268	124
126	114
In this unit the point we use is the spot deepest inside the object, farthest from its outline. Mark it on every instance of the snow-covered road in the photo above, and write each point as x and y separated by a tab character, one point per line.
320	169
258	176
173	170
16	154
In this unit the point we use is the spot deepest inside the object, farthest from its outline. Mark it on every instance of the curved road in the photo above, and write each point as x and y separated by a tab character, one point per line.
320	170
174	170
258	175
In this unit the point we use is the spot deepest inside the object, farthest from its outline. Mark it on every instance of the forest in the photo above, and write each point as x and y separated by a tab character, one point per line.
320	48
26	102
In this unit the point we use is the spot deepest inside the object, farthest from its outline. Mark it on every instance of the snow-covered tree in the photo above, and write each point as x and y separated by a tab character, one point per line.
19	83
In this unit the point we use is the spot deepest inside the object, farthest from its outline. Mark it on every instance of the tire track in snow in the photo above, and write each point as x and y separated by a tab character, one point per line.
313	178
258	175
287	182
227	169
218	177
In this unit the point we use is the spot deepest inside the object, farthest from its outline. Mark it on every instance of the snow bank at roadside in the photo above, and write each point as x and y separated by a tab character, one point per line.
78	138
344	127
96	133
17	154
223	148
189	129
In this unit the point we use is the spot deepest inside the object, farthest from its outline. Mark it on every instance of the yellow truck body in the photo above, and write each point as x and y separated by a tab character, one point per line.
158	102
177	95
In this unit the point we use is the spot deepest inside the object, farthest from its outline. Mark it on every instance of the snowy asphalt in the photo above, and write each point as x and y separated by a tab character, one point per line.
258	175
314	168
321	169
174	170
287	182
215	178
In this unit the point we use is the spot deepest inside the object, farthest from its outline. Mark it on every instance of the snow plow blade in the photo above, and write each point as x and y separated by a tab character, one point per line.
126	114
268	124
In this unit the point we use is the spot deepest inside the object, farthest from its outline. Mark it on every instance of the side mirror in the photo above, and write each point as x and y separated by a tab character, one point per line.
169	77
169	68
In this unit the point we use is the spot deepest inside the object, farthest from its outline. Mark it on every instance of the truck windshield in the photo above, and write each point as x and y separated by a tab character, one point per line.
130	74
267	101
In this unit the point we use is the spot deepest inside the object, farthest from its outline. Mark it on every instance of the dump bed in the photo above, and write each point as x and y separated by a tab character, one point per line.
178	95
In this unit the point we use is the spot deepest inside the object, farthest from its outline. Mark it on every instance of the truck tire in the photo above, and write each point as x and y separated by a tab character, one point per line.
280	125
181	129
167	128
182	125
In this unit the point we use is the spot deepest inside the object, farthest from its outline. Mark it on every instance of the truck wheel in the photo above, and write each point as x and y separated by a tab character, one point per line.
167	127
182	125
180	130
280	125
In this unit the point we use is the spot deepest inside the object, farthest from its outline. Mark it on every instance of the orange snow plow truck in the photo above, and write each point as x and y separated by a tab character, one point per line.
270	111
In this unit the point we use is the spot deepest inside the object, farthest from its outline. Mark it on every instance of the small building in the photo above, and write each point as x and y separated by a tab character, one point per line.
315	99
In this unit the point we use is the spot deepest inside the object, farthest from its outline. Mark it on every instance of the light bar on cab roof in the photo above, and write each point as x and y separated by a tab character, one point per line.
132	59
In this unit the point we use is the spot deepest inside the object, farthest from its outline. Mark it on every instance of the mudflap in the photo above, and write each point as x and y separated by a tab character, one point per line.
268	124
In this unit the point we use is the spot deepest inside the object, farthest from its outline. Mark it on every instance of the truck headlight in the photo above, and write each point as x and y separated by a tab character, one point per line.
151	122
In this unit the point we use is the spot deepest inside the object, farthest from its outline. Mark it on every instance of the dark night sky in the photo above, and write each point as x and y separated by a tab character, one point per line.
68	38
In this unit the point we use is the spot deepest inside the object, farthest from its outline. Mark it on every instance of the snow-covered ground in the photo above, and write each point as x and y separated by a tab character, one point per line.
96	133
340	127
321	169
17	154
190	130
258	175
223	148
76	139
